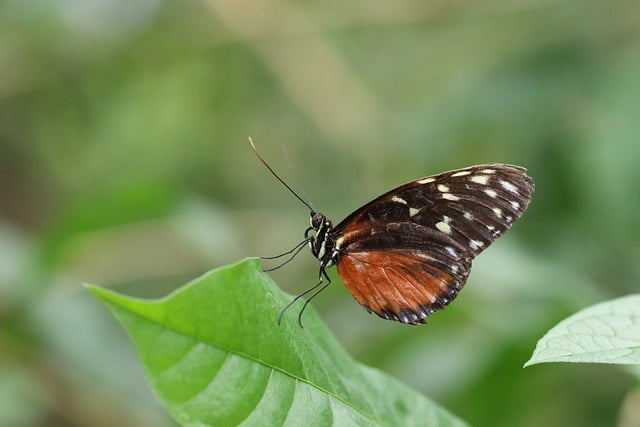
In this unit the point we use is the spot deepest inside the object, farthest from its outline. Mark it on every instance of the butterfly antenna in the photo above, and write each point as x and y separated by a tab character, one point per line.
295	177
253	147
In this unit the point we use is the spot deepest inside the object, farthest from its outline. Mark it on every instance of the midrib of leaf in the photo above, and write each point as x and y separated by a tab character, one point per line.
236	352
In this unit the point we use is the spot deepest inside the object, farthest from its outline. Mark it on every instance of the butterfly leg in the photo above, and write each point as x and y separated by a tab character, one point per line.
323	286
295	251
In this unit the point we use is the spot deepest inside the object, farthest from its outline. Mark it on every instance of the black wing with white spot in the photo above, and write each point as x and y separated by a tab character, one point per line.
409	251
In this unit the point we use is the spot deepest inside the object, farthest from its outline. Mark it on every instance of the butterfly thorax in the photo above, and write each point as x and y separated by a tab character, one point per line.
322	243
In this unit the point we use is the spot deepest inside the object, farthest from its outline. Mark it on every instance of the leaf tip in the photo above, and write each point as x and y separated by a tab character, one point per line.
90	287
94	289
101	293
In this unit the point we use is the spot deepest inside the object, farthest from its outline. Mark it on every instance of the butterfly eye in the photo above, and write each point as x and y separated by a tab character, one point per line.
317	219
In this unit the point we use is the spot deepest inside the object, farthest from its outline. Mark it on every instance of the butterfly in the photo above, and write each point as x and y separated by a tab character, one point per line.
408	252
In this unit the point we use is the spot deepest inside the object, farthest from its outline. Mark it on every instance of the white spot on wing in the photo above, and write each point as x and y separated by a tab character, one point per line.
491	193
509	186
446	219
426	180
489	171
413	211
515	205
398	200
461	173
468	216
451	251
444	227
443	188
497	212
480	179
450	196
476	244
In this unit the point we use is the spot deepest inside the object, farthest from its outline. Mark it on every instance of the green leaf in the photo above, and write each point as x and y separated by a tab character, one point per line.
608	332
214	355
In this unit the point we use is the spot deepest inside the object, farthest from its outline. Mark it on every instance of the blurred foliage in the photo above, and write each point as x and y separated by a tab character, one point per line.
124	161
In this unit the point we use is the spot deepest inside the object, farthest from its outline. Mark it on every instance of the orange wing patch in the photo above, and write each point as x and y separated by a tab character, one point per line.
397	285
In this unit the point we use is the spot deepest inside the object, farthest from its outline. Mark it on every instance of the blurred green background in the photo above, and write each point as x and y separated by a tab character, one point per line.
124	162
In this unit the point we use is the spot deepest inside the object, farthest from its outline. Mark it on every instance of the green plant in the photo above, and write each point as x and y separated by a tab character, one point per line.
214	355
608	332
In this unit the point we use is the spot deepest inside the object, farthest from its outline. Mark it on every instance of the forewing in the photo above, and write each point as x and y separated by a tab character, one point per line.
422	236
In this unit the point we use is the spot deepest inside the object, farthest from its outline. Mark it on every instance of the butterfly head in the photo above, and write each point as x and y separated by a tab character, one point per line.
318	221
320	242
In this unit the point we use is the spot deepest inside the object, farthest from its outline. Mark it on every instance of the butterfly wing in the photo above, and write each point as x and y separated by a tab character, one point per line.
408	252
